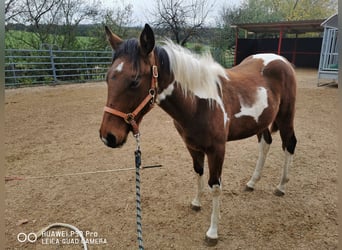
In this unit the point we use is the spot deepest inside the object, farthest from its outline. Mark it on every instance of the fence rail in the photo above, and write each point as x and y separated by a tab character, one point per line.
32	67
35	67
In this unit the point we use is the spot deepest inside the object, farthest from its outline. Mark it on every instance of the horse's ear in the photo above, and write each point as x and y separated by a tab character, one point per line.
113	39
147	41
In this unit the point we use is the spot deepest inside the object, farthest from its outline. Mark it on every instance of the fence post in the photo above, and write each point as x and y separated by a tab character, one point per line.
14	74
87	74
53	66
13	67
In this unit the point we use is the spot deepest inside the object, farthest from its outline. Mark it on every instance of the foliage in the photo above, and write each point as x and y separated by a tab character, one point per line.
117	20
292	10
258	11
21	39
79	24
182	20
57	22
16	39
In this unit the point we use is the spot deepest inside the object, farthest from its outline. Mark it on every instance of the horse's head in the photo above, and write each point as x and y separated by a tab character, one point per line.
131	81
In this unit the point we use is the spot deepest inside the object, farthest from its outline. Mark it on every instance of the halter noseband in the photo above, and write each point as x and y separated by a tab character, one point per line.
150	98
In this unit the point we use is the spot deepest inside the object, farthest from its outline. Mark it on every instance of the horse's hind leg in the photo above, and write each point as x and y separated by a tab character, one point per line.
198	162
265	141
289	144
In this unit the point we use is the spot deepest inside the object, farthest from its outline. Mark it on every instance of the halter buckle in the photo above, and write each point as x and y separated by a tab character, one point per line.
129	118
155	71
152	92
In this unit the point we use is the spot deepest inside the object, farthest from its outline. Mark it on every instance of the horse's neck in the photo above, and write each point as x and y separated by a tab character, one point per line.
190	94
176	103
172	98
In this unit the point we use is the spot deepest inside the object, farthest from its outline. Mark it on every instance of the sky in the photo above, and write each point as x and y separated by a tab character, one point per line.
141	8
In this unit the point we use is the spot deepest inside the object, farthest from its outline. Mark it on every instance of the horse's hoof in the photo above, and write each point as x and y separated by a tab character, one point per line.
278	193
211	242
195	208
249	189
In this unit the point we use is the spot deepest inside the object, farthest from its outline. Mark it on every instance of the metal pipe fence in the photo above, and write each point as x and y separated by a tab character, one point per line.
35	67
49	66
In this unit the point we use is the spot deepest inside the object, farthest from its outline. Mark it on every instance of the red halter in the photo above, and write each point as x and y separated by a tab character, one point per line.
150	98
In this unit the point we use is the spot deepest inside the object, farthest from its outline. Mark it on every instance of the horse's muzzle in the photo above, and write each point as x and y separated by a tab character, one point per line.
110	141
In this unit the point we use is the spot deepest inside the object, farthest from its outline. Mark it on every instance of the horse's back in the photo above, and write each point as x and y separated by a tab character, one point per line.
266	64
268	70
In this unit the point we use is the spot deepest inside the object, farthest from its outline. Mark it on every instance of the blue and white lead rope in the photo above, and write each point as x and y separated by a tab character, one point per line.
137	188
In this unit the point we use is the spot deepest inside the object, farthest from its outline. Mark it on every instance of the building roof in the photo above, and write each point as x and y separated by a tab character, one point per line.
331	21
290	27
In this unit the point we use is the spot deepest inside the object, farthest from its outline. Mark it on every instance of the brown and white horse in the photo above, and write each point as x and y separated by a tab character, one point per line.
209	104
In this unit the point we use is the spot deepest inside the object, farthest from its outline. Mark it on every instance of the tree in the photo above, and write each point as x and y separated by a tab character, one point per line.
57	22
13	8
181	18
51	21
31	13
118	19
256	11
305	9
70	15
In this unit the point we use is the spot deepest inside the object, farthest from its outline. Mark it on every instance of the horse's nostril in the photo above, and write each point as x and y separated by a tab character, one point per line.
111	140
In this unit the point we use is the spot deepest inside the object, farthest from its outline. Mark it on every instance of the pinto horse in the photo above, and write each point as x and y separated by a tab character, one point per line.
209	104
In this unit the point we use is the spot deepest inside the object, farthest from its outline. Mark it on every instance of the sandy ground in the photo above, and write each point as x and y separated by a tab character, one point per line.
54	131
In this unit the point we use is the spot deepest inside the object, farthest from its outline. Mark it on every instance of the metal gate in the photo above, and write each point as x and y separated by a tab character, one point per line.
33	67
328	64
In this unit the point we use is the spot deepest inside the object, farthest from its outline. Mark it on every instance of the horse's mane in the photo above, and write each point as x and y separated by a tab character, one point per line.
199	74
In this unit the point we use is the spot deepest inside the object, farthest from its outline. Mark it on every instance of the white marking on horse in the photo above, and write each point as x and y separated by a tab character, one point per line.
263	150
215	214
119	67
165	93
225	115
284	179
225	118
196	202
257	108
269	57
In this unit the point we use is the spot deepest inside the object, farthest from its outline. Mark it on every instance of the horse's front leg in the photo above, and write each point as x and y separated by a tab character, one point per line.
215	162
198	162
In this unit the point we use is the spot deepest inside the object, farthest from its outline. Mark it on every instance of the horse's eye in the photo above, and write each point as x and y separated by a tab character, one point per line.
134	84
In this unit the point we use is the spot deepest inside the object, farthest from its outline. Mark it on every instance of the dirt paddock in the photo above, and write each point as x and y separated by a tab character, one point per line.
53	131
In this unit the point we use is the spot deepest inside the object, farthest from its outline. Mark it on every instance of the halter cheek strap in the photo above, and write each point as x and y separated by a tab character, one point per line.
150	98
